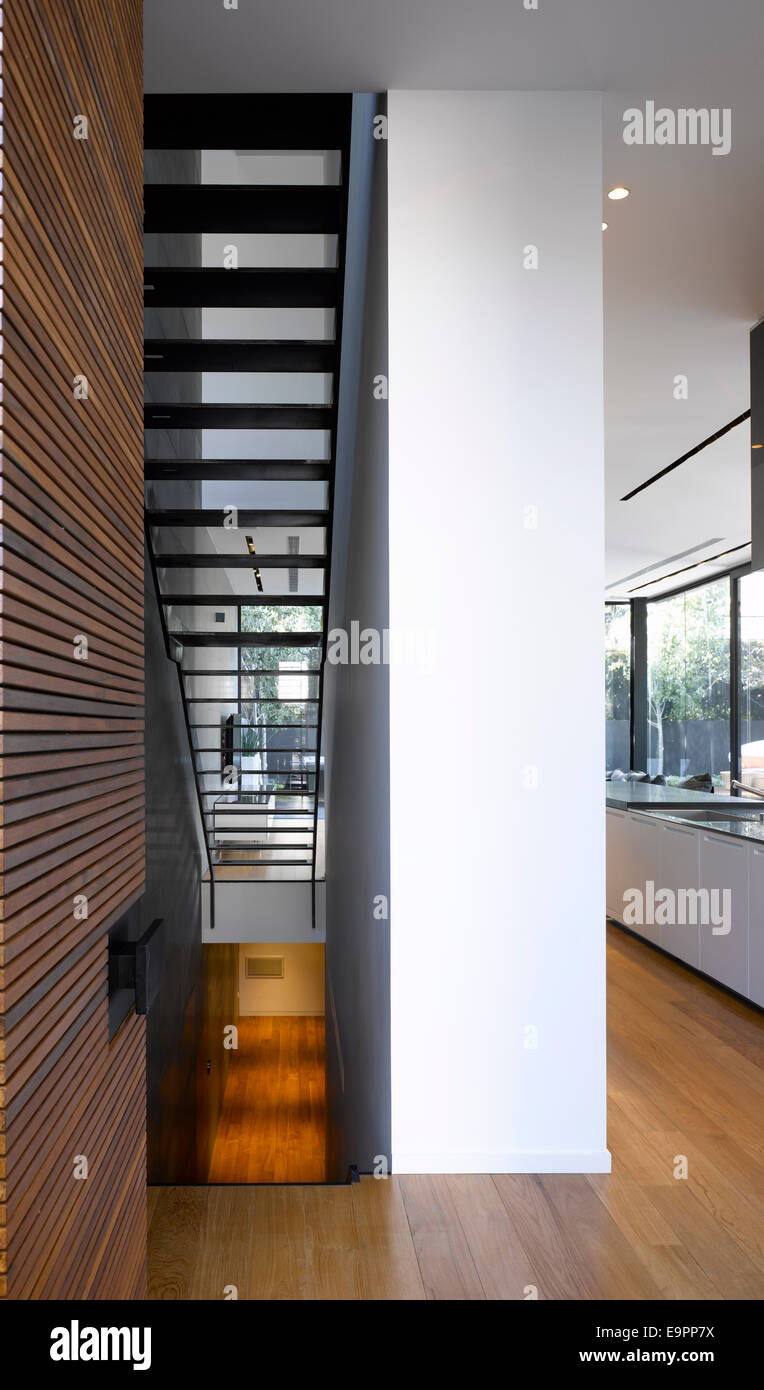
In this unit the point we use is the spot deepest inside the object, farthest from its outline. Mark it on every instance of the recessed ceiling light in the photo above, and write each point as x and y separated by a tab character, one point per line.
604	226
617	193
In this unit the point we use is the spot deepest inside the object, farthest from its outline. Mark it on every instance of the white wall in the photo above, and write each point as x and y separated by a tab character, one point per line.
497	891
300	991
247	910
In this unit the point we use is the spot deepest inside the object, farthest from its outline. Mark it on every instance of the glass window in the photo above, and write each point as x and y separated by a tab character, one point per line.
618	686
752	676
688	683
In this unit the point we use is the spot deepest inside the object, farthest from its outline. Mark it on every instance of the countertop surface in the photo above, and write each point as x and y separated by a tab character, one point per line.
673	803
641	794
745	827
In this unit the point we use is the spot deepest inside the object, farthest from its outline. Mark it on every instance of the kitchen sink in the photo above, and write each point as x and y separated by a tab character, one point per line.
728	813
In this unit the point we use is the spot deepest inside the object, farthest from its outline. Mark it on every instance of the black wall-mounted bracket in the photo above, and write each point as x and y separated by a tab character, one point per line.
135	967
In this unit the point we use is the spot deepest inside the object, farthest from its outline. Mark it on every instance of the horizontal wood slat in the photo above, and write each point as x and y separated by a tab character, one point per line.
71	719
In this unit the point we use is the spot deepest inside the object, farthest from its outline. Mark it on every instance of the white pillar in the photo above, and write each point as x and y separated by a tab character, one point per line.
496	542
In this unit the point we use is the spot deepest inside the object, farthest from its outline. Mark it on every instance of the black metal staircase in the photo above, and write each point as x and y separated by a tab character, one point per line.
243	298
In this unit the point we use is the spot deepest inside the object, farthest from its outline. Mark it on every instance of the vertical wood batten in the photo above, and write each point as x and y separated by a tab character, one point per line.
71	730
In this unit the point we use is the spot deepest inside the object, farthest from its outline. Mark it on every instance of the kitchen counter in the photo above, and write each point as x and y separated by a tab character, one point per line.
673	803
746	827
637	796
685	871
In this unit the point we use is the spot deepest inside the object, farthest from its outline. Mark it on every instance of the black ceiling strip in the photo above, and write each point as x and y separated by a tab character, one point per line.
244	601
230	470
253	639
216	560
661	579
245	288
232	208
237	417
206	516
249	121
690	454
232	355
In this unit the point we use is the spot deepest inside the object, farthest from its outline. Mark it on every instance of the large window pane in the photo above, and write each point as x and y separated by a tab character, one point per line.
688	677
617	685
752	678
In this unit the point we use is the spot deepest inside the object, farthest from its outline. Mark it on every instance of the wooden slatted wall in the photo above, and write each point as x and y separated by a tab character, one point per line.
71	729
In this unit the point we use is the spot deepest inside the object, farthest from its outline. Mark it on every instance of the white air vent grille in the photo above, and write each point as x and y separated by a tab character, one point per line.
265	967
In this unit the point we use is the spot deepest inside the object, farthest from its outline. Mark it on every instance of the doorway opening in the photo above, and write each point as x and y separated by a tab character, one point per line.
272	1124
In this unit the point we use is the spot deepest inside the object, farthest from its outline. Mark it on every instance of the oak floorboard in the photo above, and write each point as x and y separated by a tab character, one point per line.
557	1269
610	1258
272	1125
503	1265
389	1267
278	1263
442	1250
333	1259
683	1079
173	1241
720	1257
224	1248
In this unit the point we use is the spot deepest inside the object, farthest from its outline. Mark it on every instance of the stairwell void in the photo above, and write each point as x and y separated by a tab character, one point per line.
259	219
245	222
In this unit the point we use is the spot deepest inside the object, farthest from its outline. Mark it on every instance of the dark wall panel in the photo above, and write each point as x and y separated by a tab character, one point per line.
357	697
172	893
220	1007
72	717
198	990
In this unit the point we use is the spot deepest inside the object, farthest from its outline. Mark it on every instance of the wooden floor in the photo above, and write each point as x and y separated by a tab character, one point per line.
273	1123
685	1078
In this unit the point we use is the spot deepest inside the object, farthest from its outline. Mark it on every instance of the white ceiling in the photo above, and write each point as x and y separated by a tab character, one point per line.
370	45
684	283
684	255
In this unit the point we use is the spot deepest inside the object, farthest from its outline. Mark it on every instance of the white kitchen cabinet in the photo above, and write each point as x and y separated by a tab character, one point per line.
643	866
684	859
617	861
756	924
679	869
724	867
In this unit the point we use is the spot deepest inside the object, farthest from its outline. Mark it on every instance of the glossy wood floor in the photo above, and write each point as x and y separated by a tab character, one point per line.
273	1123
685	1078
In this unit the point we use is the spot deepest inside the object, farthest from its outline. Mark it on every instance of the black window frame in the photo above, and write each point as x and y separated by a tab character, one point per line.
638	685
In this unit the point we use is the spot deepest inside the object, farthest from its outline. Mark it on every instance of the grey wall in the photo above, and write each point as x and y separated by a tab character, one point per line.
197	997
356	723
172	893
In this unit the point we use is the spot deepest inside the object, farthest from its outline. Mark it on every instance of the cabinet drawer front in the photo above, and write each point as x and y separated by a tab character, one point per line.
724	936
680	874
